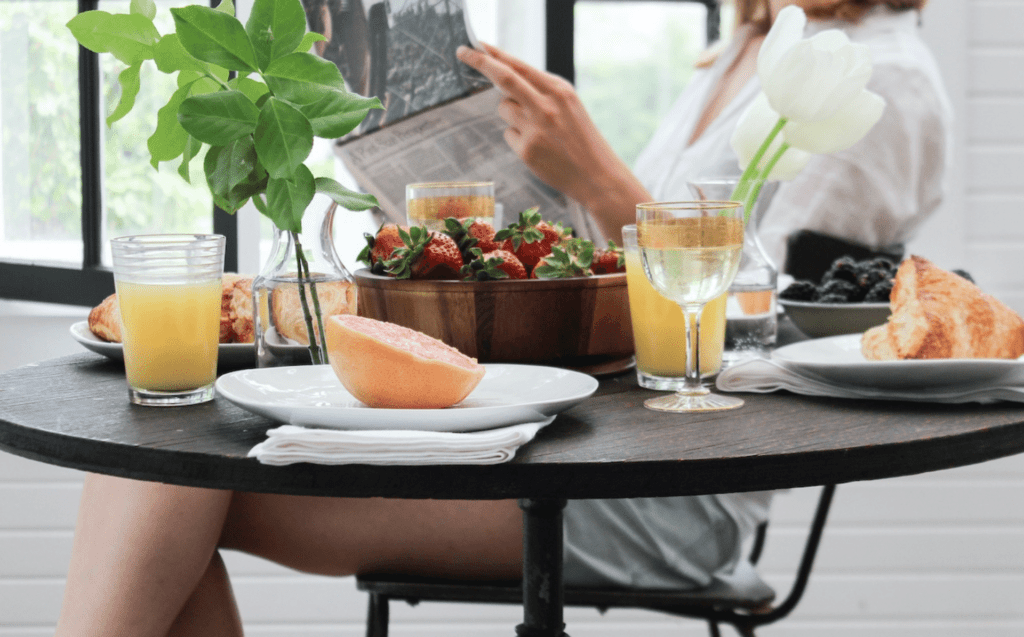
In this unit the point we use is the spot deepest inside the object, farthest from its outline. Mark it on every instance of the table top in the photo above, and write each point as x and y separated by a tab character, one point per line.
74	412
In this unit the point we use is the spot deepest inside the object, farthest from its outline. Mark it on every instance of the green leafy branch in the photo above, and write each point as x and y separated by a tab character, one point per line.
259	123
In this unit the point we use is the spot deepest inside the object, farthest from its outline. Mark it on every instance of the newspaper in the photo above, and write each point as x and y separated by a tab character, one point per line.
440	121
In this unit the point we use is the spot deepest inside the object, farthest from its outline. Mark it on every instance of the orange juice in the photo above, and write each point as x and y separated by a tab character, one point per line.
659	328
171	334
431	211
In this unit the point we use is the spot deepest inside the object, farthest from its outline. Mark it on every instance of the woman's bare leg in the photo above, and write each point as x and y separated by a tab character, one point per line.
144	558
140	549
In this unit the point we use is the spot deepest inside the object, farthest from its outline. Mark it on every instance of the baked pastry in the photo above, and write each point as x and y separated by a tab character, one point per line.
336	297
235	313
105	320
939	314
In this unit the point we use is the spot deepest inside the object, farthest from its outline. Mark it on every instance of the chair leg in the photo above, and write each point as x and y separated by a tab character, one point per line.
713	628
377	616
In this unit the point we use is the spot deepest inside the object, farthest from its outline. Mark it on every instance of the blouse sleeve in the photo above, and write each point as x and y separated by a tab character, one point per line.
880	190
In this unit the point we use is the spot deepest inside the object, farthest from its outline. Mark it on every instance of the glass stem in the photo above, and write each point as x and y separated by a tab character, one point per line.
692	315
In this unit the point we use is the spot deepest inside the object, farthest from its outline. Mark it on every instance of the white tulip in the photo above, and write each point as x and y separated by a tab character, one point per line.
753	127
844	129
809	80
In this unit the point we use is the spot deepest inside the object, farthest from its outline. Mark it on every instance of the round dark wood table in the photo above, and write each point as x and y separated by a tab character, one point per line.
74	412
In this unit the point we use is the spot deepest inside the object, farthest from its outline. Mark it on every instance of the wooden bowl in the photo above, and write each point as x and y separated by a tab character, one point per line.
579	322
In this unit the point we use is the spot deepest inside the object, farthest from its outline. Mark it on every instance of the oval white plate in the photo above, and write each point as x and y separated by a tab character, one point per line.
312	395
228	354
838	359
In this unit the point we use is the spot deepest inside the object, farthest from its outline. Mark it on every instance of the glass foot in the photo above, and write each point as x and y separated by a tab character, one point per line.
699	401
152	398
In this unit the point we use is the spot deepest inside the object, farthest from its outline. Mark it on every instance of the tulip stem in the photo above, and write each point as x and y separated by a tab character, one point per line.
751	197
752	173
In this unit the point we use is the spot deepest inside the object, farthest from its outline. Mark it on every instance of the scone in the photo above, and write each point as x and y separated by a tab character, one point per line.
939	314
105	320
336	297
239	311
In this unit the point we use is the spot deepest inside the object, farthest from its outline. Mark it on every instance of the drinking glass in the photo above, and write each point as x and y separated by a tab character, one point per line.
169	293
429	204
690	251
659	328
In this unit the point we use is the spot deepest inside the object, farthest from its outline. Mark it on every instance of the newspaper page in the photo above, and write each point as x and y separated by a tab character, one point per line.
440	121
461	140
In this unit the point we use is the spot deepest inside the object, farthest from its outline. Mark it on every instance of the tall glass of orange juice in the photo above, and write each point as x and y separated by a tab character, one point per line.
659	329
169	293
429	204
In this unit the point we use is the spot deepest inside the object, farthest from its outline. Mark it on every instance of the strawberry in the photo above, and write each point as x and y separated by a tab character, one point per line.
496	264
380	246
458	230
530	238
609	261
483	232
425	255
571	258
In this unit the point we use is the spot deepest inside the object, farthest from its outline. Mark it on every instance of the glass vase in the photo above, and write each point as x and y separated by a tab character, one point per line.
751	310
287	305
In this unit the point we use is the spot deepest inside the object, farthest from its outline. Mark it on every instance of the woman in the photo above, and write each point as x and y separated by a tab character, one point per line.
875	193
145	557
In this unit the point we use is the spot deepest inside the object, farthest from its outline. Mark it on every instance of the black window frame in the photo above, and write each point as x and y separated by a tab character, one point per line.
91	282
560	31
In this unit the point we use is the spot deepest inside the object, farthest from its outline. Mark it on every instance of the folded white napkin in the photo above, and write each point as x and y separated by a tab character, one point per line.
762	376
289	444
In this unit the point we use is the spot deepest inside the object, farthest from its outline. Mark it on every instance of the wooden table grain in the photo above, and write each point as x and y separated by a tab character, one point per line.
74	412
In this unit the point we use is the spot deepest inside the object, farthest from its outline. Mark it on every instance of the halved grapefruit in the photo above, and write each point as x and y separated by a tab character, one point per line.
390	366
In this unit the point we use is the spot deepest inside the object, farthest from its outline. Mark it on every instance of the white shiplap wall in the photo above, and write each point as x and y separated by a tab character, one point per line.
940	554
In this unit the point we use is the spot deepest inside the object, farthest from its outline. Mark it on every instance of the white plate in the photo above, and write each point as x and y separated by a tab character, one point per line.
228	354
838	359
312	395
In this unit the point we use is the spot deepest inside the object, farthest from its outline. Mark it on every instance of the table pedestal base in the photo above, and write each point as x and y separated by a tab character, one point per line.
543	591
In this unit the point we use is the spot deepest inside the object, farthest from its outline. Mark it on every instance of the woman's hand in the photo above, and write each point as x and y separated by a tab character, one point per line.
549	129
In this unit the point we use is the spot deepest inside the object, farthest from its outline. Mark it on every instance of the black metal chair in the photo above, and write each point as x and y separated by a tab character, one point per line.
717	604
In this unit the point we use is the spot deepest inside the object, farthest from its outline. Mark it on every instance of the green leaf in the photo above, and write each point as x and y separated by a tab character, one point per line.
169	139
218	118
275	28
253	90
337	113
308	40
233	173
260	205
344	197
130	84
145	8
215	37
192	148
226	7
129	37
170	56
284	138
303	78
288	198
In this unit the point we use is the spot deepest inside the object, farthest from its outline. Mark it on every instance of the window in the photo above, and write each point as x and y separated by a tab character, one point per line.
67	181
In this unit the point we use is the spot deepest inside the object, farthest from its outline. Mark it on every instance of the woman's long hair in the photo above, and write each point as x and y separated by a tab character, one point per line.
756	12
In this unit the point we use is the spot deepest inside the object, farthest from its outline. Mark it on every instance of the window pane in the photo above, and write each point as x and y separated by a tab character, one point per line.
137	198
40	179
632	61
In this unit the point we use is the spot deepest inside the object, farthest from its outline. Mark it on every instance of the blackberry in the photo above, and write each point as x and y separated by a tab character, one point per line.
842	269
837	291
802	290
964	274
879	293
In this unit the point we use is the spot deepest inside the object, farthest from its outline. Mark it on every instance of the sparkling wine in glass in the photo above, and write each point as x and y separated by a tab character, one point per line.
690	252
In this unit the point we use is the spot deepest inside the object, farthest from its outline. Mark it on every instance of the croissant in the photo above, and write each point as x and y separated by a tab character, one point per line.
939	314
235	313
335	297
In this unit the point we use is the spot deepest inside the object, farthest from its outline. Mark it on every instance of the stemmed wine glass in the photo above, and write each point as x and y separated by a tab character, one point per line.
690	252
